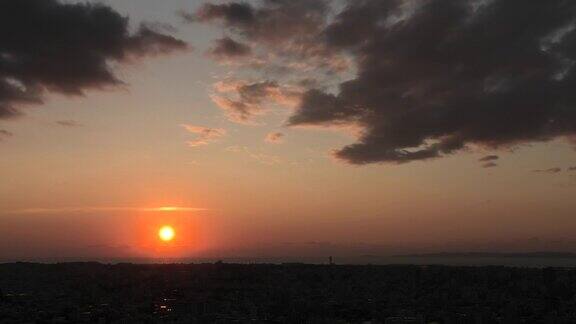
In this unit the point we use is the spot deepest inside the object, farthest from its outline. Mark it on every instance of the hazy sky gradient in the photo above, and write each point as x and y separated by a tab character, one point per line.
92	180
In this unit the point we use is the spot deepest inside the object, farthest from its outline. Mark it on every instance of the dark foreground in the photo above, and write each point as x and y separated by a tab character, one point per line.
233	293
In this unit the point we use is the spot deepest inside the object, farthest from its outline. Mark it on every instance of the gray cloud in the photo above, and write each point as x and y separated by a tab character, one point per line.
232	14
273	21
289	32
449	76
250	97
228	49
51	46
432	77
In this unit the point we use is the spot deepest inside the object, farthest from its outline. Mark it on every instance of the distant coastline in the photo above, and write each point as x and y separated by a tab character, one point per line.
556	255
526	259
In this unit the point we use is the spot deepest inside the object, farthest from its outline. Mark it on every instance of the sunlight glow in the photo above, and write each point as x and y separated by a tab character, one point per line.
176	209
168	208
166	233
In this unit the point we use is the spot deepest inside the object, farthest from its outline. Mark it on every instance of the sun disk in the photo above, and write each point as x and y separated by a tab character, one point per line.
166	233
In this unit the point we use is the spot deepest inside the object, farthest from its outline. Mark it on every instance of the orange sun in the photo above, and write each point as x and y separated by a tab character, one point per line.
166	233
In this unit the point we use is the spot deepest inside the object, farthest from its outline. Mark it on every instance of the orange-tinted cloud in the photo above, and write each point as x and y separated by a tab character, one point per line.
551	170
206	135
242	101
274	138
69	123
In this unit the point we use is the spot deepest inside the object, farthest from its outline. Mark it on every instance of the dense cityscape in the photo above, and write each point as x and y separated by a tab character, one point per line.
283	293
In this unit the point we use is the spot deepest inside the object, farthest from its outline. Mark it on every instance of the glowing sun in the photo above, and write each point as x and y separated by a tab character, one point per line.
166	233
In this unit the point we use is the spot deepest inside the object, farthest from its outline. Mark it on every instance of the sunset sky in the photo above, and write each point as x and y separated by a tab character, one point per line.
286	127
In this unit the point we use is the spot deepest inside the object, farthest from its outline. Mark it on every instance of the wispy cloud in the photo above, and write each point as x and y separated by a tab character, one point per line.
551	170
5	134
243	101
489	165
489	158
206	135
69	123
91	209
274	138
258	157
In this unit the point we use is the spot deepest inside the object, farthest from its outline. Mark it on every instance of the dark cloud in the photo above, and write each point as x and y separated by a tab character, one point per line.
228	49
275	21
68	123
256	92
551	170
289	33
488	161
4	134
450	75
149	41
432	77
231	14
489	158
489	165
50	46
